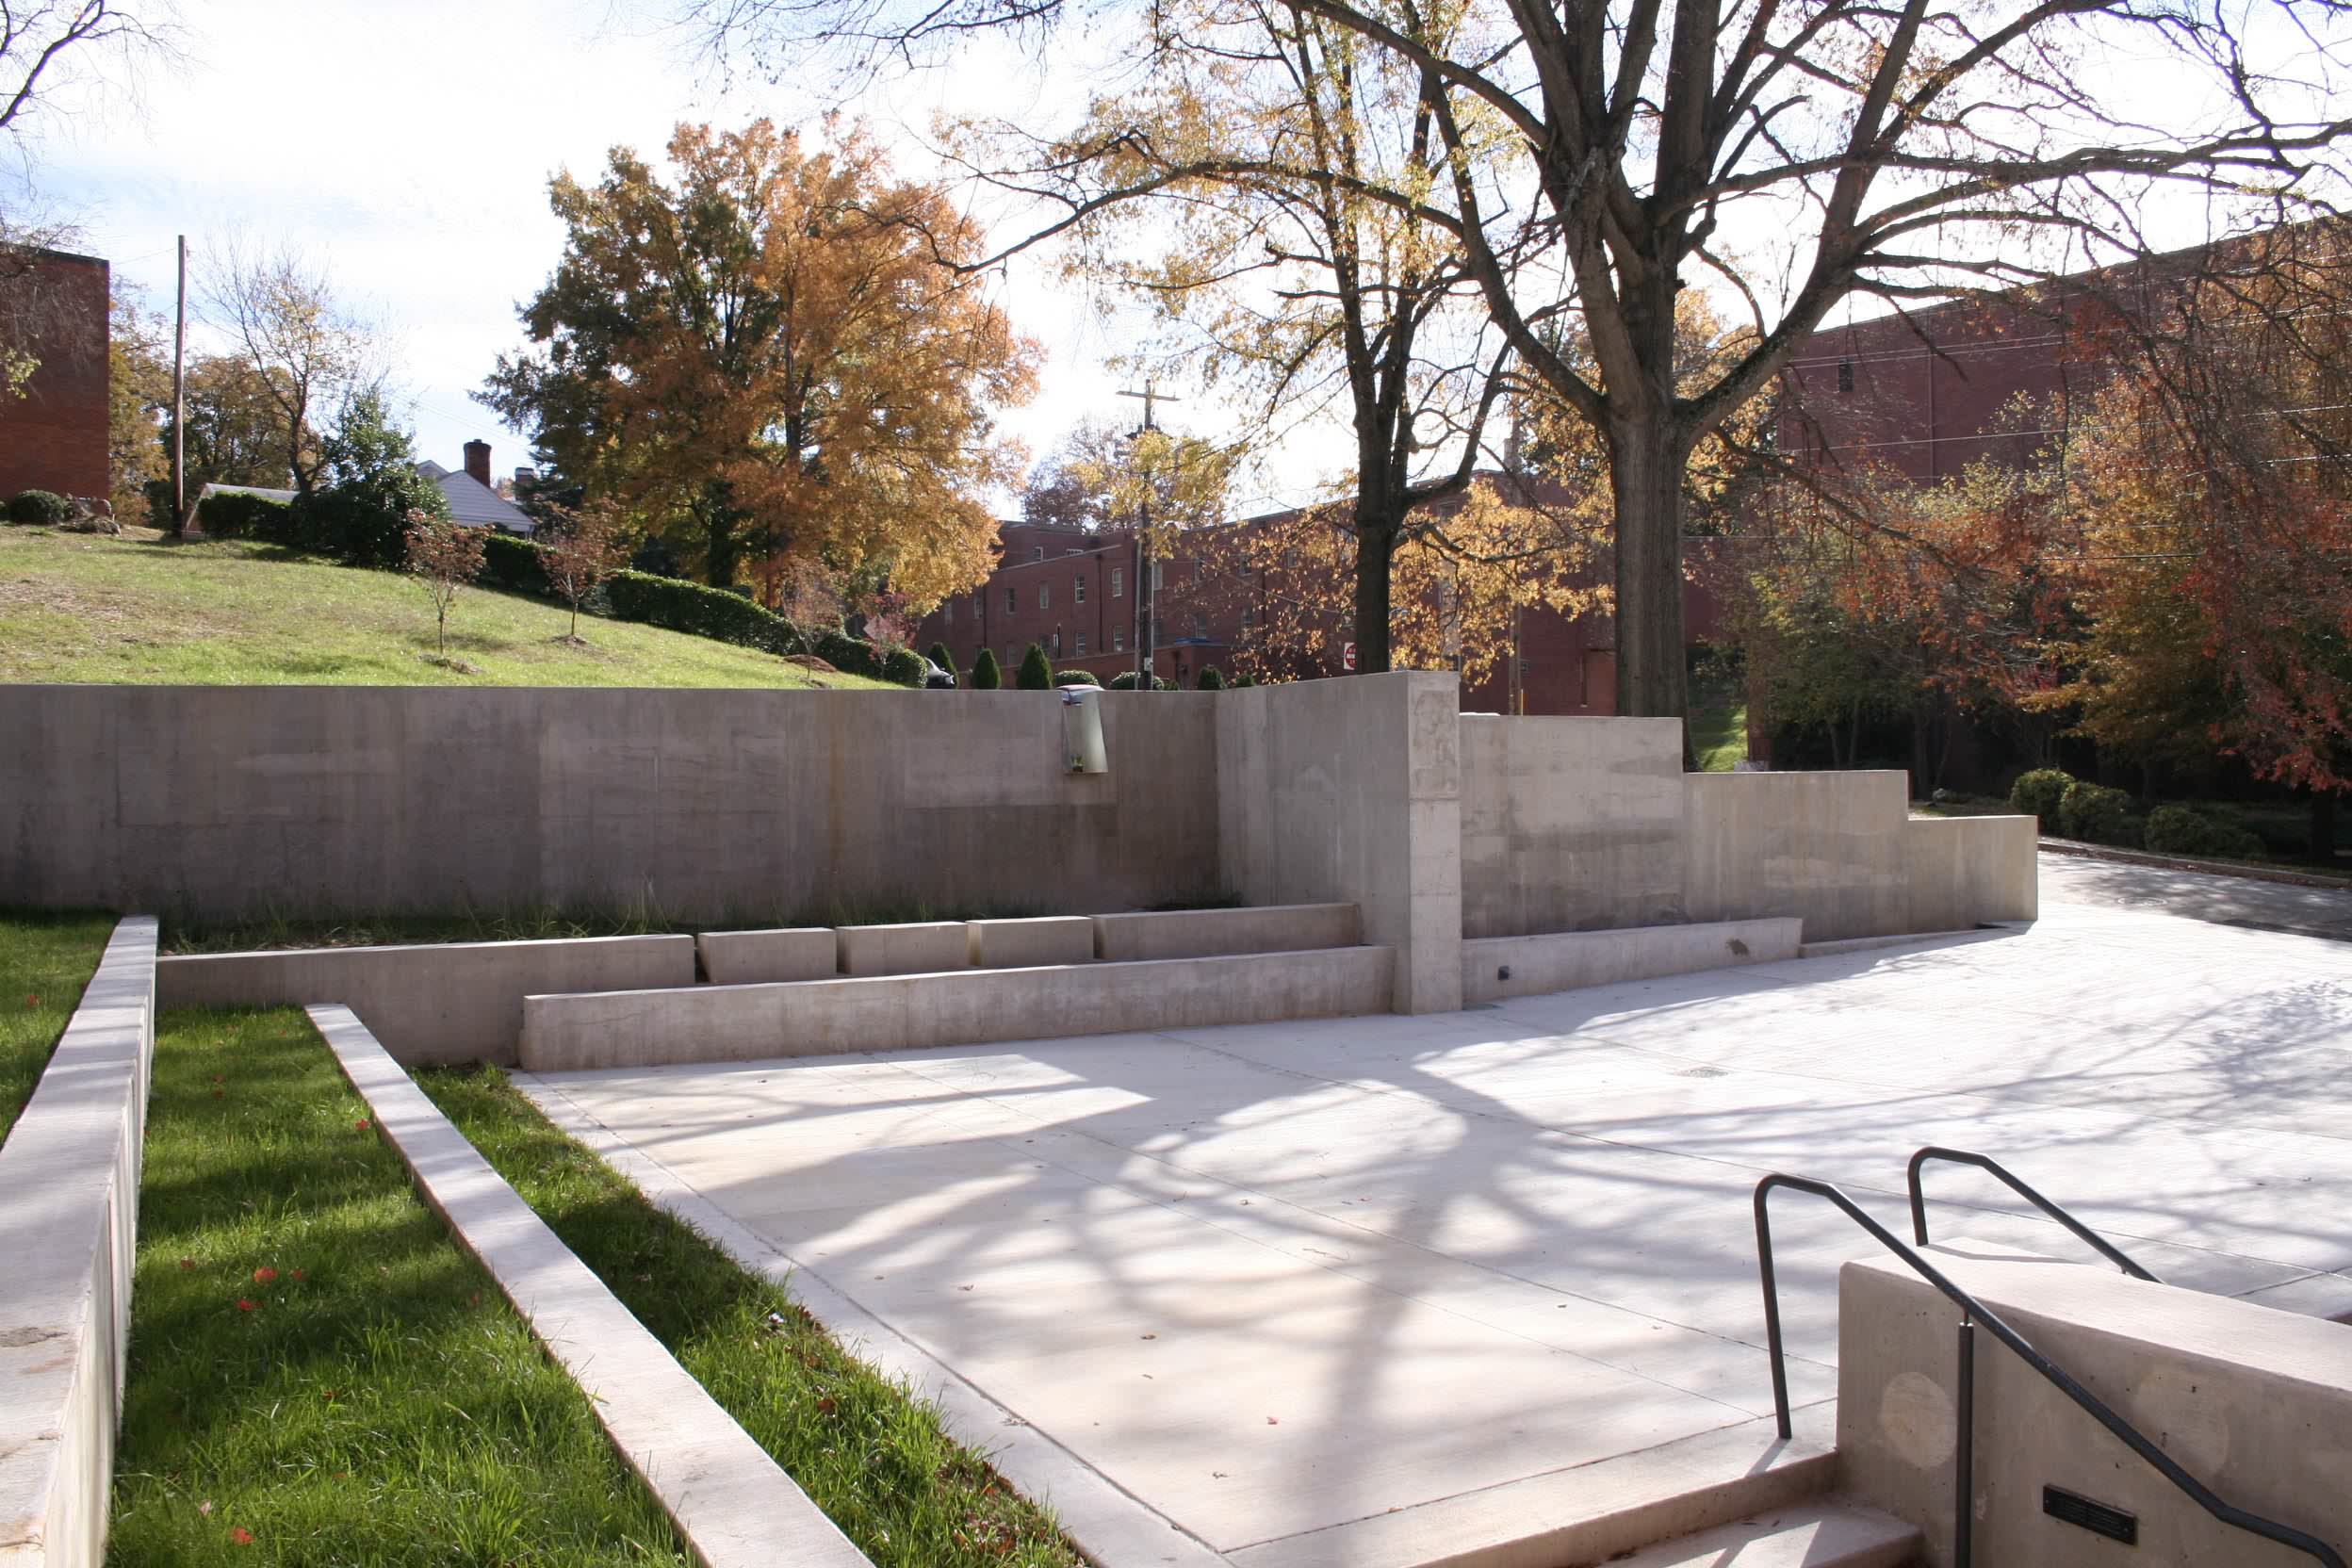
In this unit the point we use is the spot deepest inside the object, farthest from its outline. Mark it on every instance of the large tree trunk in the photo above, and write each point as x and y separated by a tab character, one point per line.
1645	482
1375	553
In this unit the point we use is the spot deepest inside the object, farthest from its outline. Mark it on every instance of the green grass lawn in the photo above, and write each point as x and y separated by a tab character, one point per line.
45	960
89	608
318	1375
874	1459
1718	724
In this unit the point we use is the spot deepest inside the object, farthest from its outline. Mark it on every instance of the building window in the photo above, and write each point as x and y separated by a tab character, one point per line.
1119	639
1248	616
1040	555
1012	601
1078	589
1118	582
1158	573
1081	645
1201	626
1045	596
947	612
1845	375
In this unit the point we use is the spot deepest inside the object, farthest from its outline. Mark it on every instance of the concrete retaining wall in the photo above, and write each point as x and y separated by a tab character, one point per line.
1349	791
69	1231
1206	932
1964	871
1570	824
2252	1401
449	1002
1831	848
748	806
1564	961
708	1023
919	948
1026	943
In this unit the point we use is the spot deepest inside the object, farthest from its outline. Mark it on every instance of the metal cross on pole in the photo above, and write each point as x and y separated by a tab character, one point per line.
1152	397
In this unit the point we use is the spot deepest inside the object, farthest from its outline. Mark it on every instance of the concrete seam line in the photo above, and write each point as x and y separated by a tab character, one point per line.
735	1507
69	1228
1108	1524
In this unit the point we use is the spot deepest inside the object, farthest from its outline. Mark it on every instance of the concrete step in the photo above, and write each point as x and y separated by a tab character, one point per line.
1824	1533
1587	1514
949	1007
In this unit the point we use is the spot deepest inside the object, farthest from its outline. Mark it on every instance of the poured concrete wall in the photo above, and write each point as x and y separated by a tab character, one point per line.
1570	824
1963	871
223	803
2254	1402
1350	792
69	1229
1830	848
441	1001
1497	967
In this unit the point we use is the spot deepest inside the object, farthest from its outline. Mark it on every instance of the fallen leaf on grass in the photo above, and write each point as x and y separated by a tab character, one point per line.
263	1275
243	1536
243	1305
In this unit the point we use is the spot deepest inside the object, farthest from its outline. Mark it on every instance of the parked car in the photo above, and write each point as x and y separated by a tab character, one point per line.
935	678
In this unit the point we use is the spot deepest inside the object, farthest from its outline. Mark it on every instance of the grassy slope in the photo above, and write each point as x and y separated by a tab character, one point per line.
45	960
89	608
376	1402
1718	723
875	1461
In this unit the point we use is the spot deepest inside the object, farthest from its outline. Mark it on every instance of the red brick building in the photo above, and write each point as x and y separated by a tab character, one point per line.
54	435
1073	593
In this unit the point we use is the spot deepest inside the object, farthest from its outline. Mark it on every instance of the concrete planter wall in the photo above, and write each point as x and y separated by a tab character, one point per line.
69	1229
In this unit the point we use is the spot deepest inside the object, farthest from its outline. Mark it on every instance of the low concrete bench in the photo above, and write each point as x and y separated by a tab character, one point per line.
429	1002
920	947
1497	967
1024	943
1207	933
717	1023
786	953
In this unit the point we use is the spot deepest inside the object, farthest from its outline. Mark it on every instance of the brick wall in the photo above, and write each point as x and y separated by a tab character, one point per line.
54	437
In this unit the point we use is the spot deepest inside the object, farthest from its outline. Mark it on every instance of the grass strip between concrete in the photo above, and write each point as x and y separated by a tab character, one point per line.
317	1373
45	961
875	1459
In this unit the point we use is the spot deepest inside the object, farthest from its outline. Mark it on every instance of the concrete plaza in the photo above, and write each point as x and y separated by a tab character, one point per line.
1287	1286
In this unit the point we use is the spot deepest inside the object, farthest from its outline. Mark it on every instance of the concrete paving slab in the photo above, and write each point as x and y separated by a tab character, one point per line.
1279	1282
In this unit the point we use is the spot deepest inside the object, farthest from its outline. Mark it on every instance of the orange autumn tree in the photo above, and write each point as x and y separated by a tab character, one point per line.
2213	496
768	349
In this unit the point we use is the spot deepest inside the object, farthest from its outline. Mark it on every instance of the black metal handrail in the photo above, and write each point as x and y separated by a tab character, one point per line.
2253	1524
1987	1163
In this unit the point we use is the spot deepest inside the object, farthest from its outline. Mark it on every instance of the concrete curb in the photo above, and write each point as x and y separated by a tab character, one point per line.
69	1229
1112	1528
2082	851
730	1500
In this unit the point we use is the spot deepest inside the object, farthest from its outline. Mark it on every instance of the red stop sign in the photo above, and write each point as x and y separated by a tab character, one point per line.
1348	656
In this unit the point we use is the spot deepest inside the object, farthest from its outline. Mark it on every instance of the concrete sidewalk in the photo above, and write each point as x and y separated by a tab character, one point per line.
1276	1282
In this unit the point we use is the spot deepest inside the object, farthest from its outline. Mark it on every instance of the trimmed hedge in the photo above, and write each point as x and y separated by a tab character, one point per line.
2098	814
2179	830
1036	670
1073	677
1211	679
699	612
943	658
903	667
2039	792
518	566
987	676
1126	681
39	506
228	514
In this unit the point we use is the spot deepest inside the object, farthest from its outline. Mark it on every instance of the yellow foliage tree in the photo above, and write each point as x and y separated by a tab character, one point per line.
772	351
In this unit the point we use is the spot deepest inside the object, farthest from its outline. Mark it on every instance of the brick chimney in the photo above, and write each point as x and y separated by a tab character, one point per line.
477	462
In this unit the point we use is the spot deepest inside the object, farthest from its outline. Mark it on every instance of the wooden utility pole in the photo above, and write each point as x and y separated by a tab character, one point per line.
1145	676
179	406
